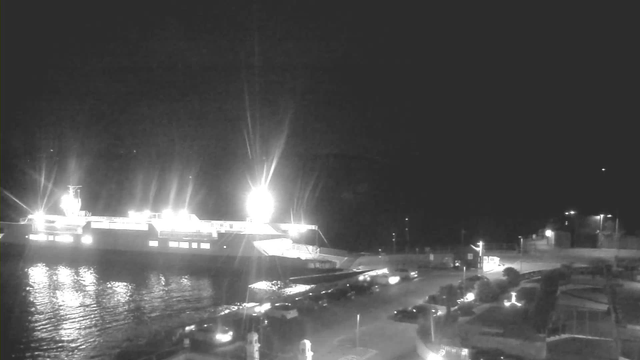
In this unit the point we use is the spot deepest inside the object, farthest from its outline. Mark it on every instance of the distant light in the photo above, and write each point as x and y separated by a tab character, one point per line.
603	169
406	219
609	215
394	280
548	233
470	297
260	205
513	300
87	239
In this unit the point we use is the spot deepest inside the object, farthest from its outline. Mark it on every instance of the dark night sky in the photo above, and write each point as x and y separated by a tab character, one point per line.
444	114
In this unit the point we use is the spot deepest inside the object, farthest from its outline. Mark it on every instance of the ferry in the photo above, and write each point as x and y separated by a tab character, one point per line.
169	234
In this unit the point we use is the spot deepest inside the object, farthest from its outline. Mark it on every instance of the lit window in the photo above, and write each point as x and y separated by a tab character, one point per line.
184	245
173	244
64	238
39	237
194	245
154	243
204	246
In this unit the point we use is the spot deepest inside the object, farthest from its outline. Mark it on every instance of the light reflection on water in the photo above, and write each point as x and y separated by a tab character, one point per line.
76	312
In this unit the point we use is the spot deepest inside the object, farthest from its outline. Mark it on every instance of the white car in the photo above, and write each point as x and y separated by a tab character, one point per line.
405	274
284	311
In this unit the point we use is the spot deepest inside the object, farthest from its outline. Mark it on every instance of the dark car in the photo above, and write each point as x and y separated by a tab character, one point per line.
338	294
310	302
364	288
243	324
470	282
412	314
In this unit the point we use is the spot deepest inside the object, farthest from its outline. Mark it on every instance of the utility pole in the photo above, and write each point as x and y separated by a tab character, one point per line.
394	242
616	240
521	251
406	229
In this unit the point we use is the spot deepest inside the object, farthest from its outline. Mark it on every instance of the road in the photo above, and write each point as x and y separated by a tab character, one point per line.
332	332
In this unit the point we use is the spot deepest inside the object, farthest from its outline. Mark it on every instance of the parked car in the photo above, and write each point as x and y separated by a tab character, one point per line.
242	324
405	274
412	314
283	311
363	288
470	282
338	294
310	302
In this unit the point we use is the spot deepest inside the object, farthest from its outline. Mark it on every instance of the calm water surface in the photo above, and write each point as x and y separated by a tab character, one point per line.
74	309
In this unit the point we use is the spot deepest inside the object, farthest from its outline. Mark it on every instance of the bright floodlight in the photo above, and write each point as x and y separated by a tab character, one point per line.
260	205
548	233
39	216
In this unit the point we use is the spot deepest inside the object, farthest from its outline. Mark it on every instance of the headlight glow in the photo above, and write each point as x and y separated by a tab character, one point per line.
87	239
470	297
394	280
224	337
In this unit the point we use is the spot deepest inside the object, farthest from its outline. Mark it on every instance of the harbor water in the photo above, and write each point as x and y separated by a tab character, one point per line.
80	308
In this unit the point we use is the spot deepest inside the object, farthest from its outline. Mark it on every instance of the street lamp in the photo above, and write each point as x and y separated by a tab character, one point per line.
521	251
394	242
479	250
572	214
406	229
601	216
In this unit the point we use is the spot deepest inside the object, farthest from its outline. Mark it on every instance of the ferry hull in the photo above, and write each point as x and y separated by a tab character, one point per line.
229	251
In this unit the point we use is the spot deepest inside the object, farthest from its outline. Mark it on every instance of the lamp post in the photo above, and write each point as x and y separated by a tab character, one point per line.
406	229
521	251
572	214
479	250
394	242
